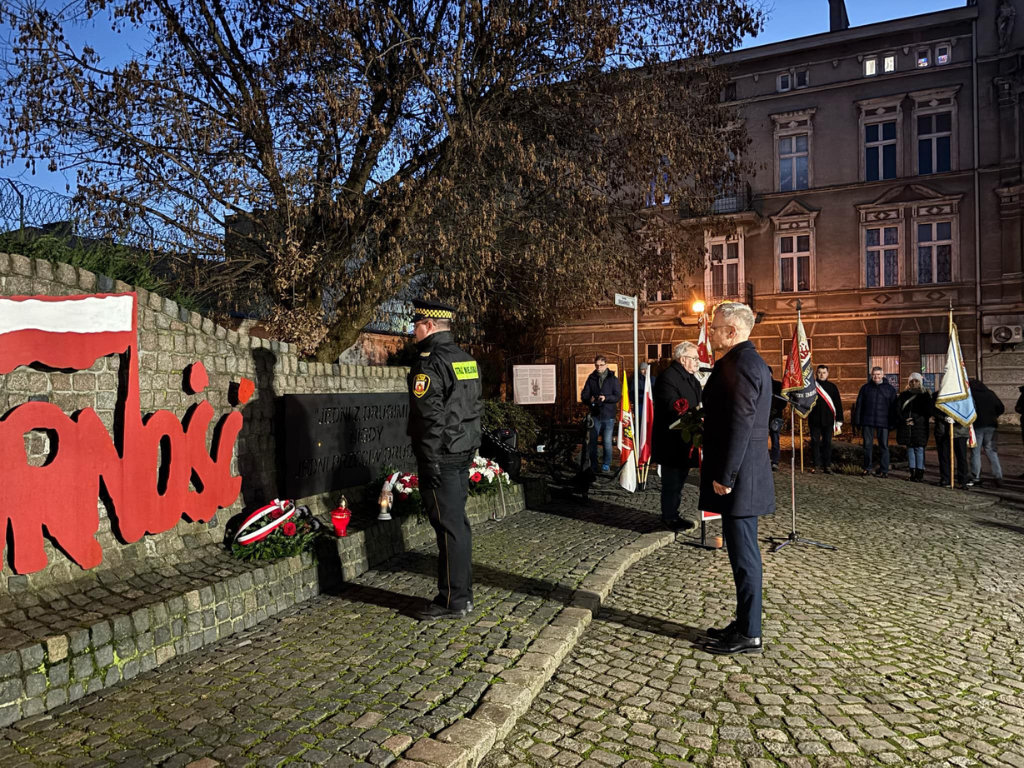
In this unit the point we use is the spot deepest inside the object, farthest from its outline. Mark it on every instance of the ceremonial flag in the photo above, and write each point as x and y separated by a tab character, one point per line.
627	476
798	381
955	398
646	422
705	355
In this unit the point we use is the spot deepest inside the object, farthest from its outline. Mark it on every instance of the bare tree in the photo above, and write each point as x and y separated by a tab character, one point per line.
502	154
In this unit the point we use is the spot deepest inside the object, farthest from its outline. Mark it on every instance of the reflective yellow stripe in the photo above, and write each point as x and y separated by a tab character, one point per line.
465	371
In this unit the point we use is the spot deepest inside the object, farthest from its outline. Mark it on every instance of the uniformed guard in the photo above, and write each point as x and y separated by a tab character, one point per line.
444	424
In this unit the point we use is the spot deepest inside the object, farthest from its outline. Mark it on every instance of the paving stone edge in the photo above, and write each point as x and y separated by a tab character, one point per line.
465	743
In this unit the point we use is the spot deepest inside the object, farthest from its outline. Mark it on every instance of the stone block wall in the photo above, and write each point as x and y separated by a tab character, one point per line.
170	338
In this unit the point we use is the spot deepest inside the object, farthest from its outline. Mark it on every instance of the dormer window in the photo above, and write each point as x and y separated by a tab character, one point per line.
801	78
889	63
943	54
870	66
924	58
784	82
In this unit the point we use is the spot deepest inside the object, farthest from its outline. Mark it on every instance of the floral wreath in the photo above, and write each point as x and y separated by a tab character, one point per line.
279	513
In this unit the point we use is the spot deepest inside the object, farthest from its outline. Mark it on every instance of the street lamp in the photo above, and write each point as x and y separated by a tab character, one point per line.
698	307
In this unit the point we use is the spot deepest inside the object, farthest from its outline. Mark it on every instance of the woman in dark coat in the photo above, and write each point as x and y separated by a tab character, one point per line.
912	411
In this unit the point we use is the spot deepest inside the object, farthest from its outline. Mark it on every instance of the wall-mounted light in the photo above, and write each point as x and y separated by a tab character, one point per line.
698	307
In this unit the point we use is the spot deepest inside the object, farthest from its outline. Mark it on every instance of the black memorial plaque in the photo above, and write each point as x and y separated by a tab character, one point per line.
330	442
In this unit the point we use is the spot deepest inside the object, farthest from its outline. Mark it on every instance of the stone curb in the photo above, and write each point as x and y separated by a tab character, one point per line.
72	663
465	743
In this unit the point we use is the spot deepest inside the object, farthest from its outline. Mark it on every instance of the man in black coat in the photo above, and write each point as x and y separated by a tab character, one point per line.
602	392
668	448
823	418
736	476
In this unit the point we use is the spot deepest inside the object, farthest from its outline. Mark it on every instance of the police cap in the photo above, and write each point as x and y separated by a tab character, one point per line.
431	310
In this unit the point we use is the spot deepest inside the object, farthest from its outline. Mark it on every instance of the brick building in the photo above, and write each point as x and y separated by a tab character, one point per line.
888	187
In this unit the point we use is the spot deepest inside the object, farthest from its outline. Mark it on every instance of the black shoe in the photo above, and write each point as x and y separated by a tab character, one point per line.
679	524
881	475
432	612
722	633
828	471
998	482
865	473
964	487
775	467
730	646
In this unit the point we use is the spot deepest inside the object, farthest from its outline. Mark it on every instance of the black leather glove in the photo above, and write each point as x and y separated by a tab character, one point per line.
430	476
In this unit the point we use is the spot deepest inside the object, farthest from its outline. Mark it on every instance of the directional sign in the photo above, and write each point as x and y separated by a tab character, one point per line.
625	301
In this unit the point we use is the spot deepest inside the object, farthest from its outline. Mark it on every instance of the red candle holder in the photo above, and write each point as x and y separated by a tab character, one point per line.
340	518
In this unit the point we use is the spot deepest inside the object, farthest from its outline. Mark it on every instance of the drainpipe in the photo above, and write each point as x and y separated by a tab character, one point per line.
977	206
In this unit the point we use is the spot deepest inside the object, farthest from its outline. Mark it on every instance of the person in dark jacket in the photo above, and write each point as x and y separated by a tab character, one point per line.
989	408
1019	408
776	421
668	448
824	420
602	392
913	412
637	400
736	476
872	414
444	424
943	424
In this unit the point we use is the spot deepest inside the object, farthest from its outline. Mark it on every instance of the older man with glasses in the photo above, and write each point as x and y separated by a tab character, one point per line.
669	450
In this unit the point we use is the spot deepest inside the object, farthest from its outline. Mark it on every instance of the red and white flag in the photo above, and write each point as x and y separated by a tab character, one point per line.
705	354
627	454
64	331
646	422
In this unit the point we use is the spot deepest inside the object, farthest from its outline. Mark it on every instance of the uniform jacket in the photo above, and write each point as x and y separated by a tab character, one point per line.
942	428
737	403
987	404
444	395
612	391
821	414
874	405
667	445
916	408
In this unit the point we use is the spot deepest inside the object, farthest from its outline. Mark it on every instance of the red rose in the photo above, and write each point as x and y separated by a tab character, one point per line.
682	405
403	495
275	513
288	528
414	482
476	477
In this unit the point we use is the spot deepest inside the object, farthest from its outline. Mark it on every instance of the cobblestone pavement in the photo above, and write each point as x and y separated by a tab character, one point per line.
902	648
344	679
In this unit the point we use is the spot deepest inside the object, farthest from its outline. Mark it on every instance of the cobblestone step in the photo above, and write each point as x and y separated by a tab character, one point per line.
56	648
350	677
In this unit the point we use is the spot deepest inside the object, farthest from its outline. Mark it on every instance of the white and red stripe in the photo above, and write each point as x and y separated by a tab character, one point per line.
64	331
245	536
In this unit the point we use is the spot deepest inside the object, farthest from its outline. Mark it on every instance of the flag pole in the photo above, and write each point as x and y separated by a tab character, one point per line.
948	425
801	446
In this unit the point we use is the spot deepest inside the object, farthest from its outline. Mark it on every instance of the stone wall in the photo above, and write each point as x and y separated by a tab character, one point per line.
170	339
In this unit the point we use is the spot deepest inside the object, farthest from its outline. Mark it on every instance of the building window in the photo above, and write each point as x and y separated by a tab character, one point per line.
723	278
801	78
935	252
889	63
794	263
881	257
933	359
870	66
666	351
794	159
784	82
652	352
943	54
924	58
884	353
729	92
934	142
662	295
880	150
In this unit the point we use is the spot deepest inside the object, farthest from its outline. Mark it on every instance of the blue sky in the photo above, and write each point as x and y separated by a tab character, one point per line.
786	19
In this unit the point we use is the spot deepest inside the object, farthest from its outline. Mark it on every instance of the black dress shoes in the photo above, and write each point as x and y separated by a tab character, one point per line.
679	524
716	633
432	612
734	644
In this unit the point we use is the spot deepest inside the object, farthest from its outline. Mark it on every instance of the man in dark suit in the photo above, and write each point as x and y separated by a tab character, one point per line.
668	448
736	477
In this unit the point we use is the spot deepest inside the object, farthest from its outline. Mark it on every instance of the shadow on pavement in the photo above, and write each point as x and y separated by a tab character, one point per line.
1000	524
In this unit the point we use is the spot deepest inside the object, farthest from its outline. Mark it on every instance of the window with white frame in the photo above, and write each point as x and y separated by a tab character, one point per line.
870	66
881	256
794	262
784	82
934	142
943	54
924	58
935	252
723	276
889	63
880	145
794	162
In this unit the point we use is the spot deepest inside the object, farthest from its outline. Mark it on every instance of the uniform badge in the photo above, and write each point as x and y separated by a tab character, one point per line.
420	384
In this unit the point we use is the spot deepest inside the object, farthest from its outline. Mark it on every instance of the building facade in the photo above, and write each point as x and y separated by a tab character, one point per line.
888	187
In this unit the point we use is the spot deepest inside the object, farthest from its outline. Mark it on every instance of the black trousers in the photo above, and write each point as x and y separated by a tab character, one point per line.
959	458
745	558
446	510
821	446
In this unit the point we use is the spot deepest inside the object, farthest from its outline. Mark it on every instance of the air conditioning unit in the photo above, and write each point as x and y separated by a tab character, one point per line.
1008	334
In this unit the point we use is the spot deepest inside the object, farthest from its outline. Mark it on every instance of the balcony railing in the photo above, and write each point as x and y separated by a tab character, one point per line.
743	292
735	198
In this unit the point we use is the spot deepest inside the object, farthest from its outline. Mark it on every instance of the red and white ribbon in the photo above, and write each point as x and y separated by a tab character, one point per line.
246	537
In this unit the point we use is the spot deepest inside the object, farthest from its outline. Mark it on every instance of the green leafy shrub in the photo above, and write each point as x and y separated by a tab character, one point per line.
502	415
